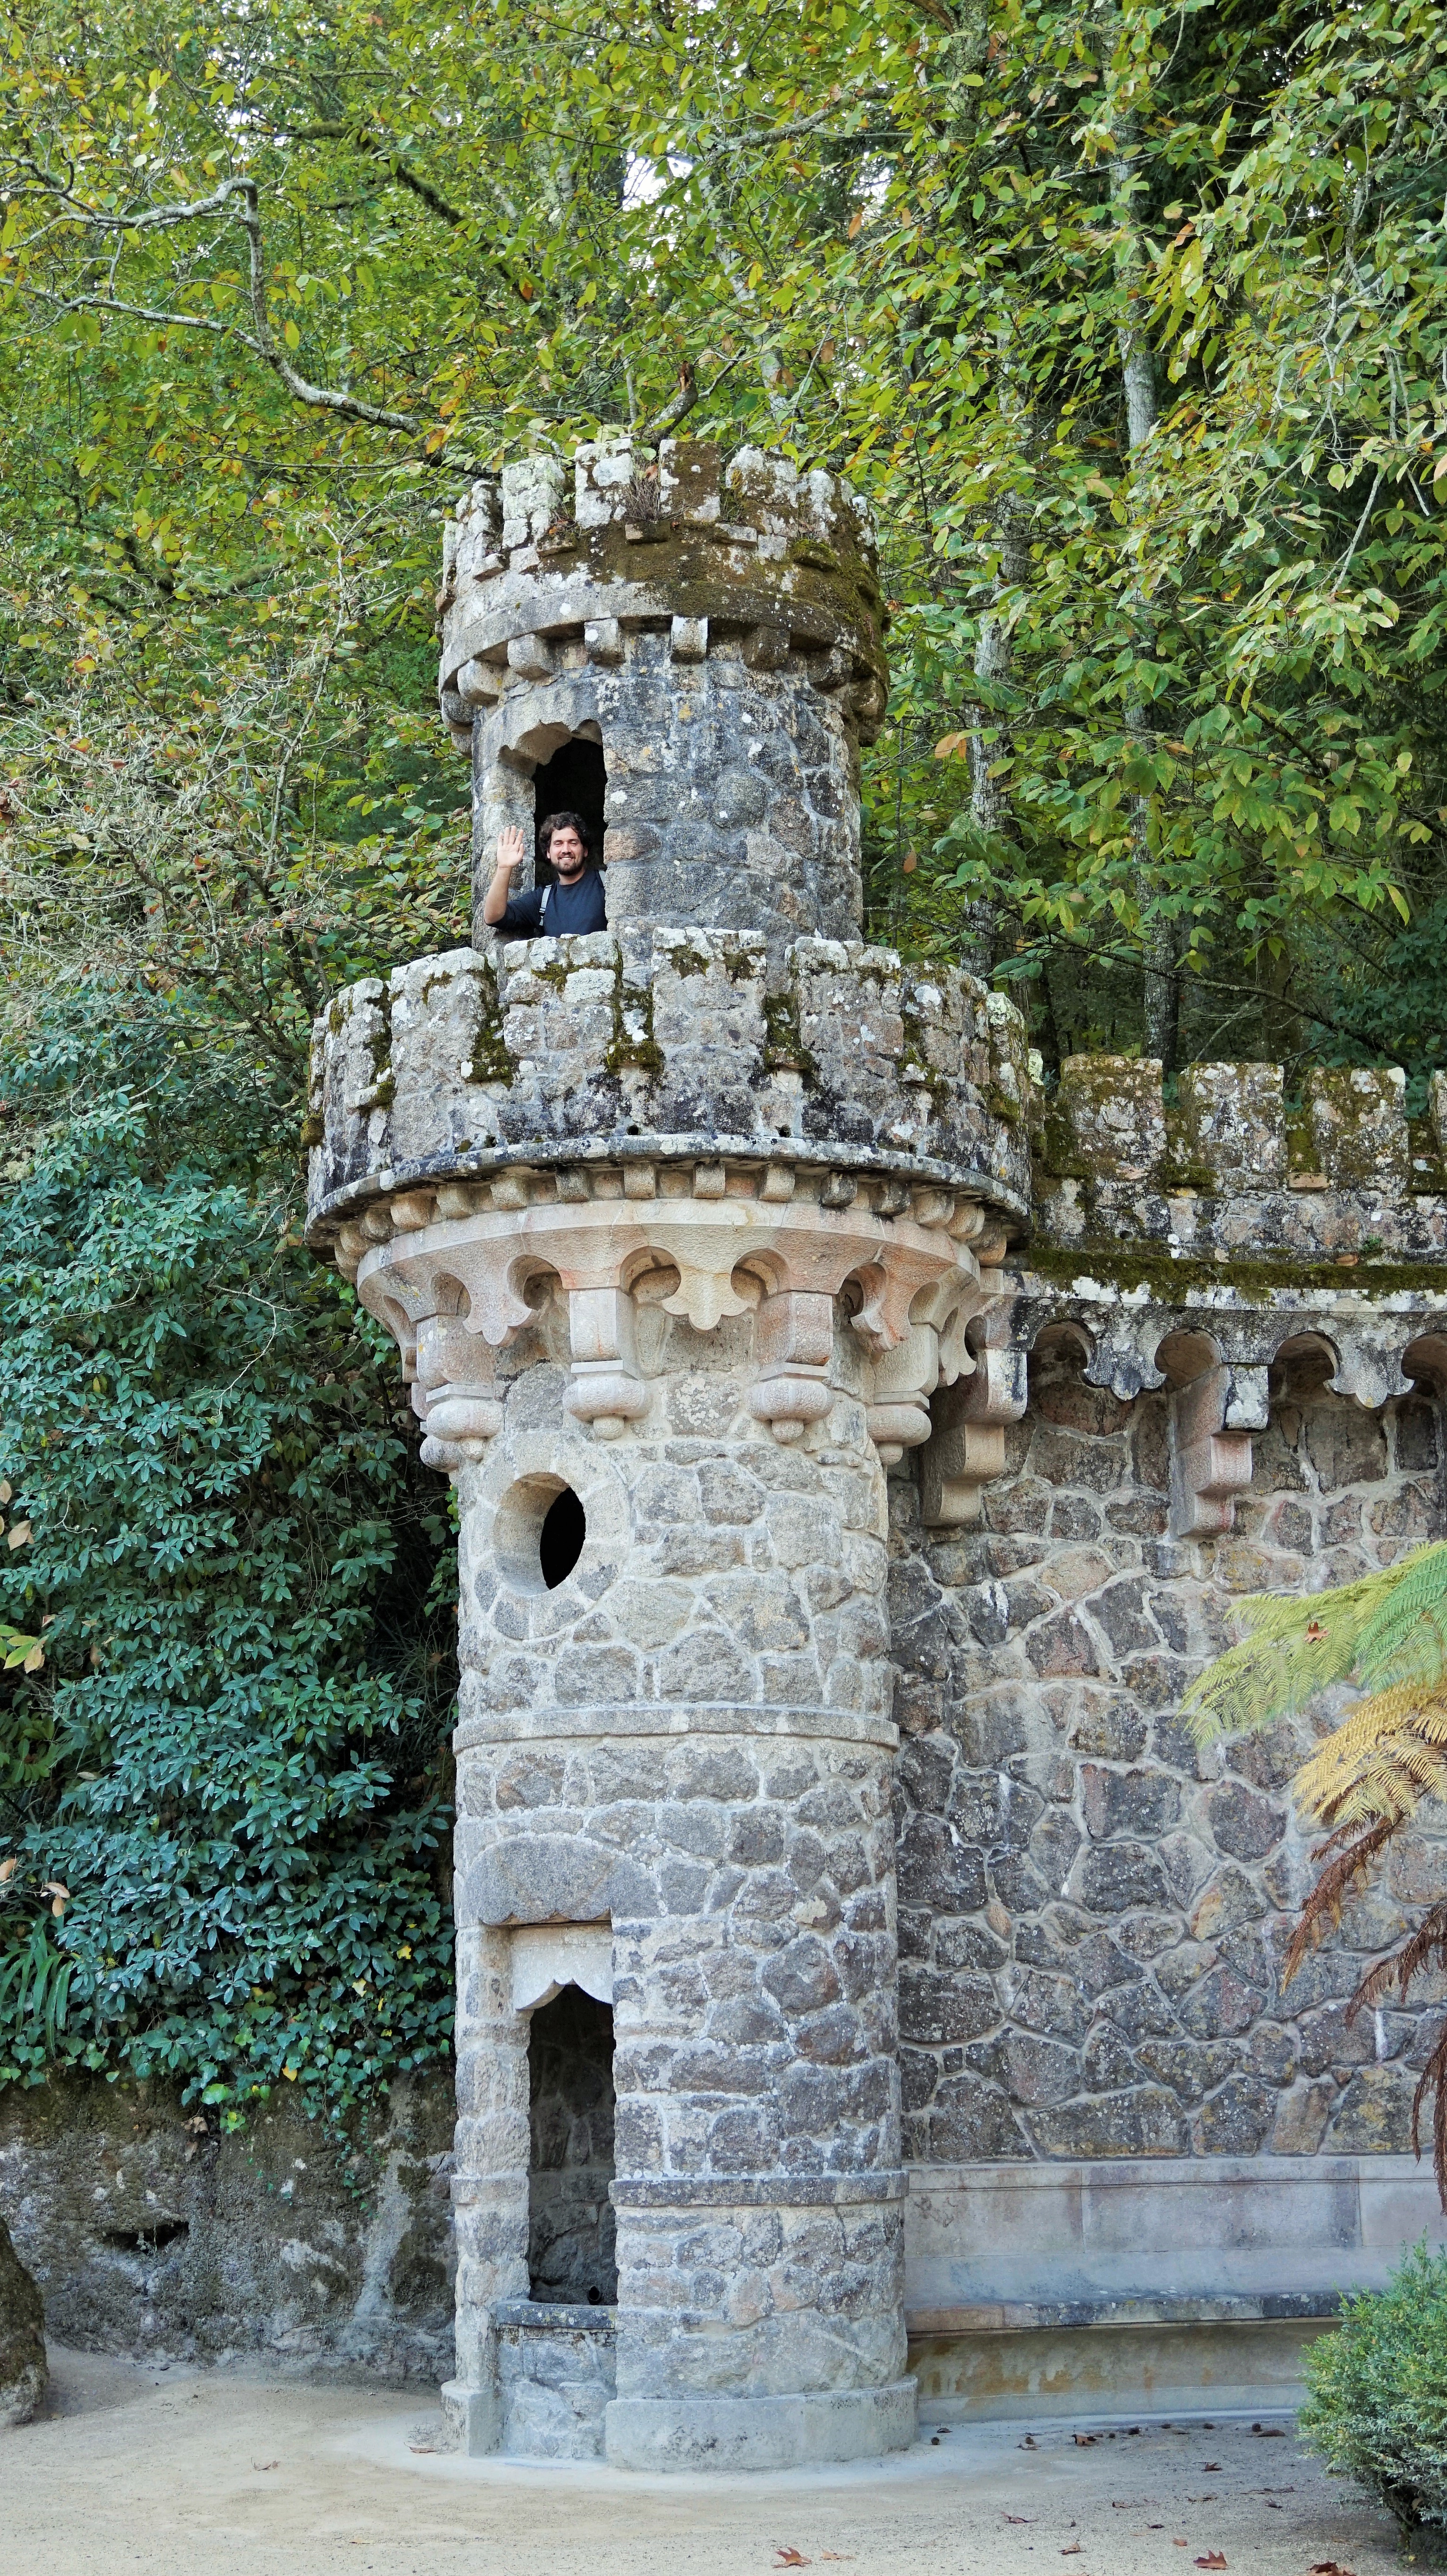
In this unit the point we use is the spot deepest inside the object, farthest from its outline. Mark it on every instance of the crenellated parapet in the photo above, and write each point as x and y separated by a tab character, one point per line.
662	1050
1205	1248
624	538
1226	1172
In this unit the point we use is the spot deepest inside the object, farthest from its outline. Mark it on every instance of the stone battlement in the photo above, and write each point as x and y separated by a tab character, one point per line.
682	1047
1228	1174
596	551
713	628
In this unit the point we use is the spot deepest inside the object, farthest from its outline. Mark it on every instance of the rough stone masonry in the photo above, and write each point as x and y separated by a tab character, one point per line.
913	1433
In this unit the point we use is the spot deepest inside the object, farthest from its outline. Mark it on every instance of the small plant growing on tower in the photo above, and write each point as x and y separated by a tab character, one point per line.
1368	1779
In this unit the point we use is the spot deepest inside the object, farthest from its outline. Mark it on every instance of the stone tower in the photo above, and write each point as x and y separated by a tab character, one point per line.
679	1228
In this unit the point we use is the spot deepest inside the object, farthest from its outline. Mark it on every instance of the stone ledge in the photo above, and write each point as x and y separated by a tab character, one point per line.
595	1158
1024	2316
553	2316
732	2433
626	1718
1116	2375
755	2191
1074	2241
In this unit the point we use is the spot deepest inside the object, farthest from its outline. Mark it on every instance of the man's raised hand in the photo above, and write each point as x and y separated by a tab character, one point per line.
511	848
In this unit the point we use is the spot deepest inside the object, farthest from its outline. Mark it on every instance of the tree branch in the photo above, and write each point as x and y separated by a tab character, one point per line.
376	148
240	196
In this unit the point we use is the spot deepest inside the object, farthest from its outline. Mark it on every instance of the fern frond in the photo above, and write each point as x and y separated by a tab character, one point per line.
1297	1645
1434	2080
1425	1947
1404	1636
1386	1757
1322	1911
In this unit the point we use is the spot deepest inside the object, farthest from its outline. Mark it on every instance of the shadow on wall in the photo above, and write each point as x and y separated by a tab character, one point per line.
571	2226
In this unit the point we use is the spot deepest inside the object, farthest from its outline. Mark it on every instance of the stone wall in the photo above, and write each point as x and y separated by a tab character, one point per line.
1092	1914
151	2234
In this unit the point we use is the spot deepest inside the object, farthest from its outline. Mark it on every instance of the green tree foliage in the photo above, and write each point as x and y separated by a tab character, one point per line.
1131	321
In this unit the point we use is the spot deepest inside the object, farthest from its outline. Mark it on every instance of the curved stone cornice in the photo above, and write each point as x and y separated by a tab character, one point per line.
454	1292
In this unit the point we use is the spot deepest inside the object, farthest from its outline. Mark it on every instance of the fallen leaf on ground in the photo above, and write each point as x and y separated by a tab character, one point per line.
1028	2444
1083	2440
1019	2517
842	2557
1210	2465
266	2464
1328	2567
1212	2558
1072	2549
1269	2432
790	2557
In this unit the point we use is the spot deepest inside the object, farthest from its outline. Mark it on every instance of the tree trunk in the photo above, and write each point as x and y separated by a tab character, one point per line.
1160	979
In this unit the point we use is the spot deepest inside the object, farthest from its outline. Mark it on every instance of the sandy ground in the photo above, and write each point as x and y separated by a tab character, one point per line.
205	2471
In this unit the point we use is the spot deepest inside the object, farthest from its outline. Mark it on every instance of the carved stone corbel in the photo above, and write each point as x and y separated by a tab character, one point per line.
607	1389
967	1451
793	1348
454	1392
1212	1419
905	1377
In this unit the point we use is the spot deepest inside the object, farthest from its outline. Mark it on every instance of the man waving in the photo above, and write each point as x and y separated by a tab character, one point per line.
574	903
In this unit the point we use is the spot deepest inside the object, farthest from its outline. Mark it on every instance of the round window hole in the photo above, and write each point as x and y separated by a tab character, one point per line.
538	1533
560	1540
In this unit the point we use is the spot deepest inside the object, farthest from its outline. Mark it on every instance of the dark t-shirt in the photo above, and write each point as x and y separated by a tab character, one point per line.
556	911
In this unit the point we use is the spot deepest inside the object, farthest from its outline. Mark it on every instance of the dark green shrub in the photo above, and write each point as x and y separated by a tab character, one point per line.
1377	2410
224	1813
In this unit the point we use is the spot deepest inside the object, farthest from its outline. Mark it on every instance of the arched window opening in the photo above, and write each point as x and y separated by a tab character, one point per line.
572	2256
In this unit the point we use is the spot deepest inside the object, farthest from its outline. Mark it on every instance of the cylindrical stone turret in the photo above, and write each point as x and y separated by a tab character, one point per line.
713	632
678	1228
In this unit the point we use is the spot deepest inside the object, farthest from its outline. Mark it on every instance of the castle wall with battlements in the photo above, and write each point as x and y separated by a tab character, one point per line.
927	1427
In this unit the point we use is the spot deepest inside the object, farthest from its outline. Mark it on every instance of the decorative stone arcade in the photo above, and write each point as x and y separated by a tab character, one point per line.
686	1221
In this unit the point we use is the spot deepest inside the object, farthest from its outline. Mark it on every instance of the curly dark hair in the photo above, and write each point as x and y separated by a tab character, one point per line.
563	822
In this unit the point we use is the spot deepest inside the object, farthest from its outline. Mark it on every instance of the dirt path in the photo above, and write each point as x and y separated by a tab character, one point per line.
182	2474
